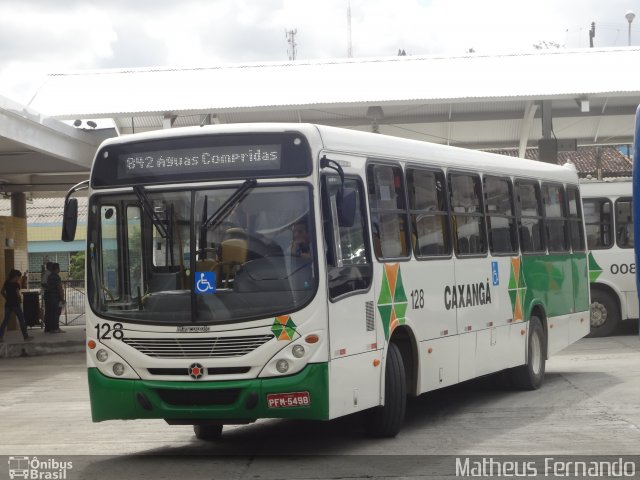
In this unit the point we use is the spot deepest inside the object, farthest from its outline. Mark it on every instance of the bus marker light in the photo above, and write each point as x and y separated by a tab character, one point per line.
282	366
551	326
313	338
429	350
523	331
91	344
102	355
468	328
376	362
581	320
444	332
118	369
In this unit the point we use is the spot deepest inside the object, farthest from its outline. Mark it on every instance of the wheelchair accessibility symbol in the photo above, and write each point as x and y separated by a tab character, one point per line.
205	282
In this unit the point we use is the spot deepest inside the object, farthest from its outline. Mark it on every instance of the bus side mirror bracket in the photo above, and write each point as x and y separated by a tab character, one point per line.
346	198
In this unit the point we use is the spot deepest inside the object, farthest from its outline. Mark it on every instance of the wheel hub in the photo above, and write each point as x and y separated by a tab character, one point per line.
598	315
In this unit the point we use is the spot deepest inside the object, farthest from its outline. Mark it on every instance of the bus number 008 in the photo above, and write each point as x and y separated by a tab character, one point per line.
105	332
417	299
623	268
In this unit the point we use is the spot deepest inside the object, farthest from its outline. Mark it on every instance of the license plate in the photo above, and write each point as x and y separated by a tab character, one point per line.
296	399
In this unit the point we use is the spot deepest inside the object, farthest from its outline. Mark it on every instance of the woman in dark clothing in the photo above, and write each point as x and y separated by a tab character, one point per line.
11	292
54	299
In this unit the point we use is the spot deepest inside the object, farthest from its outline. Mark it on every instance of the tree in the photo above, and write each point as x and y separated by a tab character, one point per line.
76	266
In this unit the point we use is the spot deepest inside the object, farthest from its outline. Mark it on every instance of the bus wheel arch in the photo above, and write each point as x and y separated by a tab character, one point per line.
400	378
405	340
538	312
604	311
531	375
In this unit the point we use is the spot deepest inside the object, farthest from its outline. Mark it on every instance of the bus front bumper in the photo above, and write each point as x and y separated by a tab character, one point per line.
304	395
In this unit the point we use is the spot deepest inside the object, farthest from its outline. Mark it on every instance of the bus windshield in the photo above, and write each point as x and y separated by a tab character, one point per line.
211	255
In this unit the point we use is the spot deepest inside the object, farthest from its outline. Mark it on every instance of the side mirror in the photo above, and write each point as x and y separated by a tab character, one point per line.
346	203
70	220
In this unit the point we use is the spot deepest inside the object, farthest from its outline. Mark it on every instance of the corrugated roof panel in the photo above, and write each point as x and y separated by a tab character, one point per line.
394	79
45	210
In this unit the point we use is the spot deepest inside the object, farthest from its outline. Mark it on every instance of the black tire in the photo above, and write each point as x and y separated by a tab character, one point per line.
208	431
531	375
604	314
386	421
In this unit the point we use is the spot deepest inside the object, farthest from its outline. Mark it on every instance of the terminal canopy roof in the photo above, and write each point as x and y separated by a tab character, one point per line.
589	96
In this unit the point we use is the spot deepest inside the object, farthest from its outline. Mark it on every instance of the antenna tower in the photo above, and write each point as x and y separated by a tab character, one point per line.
291	40
349	45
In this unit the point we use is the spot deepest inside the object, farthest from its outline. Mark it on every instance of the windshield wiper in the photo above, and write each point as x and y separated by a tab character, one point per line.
148	209
221	212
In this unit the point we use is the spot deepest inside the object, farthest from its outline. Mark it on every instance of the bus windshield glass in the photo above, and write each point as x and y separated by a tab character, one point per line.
214	255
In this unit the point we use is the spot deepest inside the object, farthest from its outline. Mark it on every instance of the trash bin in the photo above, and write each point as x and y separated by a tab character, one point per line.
31	307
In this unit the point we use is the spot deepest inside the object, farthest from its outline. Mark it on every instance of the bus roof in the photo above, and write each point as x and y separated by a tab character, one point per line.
606	188
367	144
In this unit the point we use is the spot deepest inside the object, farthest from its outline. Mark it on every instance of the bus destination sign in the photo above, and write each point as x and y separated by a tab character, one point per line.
211	159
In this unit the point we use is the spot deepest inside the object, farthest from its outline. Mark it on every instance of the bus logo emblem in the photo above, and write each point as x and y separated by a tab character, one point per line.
196	371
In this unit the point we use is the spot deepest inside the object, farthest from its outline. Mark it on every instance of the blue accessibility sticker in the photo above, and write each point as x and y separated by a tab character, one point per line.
494	273
205	282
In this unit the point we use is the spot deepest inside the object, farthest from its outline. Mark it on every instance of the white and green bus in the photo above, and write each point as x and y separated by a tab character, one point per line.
612	267
425	266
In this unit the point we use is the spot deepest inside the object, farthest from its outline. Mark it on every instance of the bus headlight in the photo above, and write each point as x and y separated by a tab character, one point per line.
110	363
102	355
282	366
294	357
118	369
298	351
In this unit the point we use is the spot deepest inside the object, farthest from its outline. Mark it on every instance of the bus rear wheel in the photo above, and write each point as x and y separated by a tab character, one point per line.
604	315
208	431
386	421
530	375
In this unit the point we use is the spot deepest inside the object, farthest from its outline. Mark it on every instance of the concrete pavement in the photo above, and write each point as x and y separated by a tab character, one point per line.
71	340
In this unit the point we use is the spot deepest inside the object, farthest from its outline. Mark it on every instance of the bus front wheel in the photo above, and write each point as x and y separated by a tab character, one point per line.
605	314
386	421
530	375
206	431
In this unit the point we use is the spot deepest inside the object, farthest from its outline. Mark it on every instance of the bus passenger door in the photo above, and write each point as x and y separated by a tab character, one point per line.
353	379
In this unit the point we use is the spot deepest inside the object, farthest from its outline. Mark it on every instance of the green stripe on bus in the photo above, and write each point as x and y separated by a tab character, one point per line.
113	398
558	282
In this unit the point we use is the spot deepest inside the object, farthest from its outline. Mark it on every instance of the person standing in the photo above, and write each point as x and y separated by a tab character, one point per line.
43	283
11	292
54	299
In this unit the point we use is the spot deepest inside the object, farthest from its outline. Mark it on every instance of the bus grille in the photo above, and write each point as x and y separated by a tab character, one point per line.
217	347
198	398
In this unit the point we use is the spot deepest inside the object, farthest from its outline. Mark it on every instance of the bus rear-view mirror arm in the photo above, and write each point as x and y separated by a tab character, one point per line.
345	198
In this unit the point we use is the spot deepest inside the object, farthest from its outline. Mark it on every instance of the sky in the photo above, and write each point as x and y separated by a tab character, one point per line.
39	37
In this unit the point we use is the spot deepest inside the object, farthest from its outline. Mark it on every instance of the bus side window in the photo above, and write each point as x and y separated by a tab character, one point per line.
501	219
388	211
529	216
555	213
349	265
468	214
428	213
624	223
576	232
598	223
